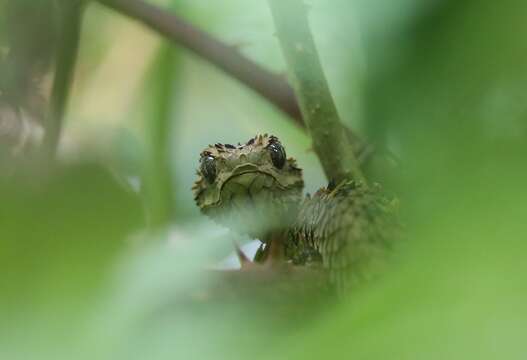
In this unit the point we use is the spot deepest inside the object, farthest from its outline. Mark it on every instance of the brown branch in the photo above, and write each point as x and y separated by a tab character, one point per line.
269	85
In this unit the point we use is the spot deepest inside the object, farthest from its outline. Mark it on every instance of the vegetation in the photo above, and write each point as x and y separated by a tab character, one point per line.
102	119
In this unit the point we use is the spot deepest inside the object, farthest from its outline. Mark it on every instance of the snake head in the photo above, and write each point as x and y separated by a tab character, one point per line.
249	187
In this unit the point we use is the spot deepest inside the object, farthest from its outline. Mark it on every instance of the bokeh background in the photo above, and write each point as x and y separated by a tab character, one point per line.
442	84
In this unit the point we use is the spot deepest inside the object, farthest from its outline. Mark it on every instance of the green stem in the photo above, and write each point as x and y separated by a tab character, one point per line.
330	142
70	19
158	177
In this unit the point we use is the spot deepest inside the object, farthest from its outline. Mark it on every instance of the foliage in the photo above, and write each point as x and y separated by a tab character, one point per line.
443	89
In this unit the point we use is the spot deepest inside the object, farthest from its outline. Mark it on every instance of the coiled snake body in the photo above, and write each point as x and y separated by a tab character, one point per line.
254	188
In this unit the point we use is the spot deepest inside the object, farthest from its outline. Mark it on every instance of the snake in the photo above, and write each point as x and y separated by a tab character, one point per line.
344	229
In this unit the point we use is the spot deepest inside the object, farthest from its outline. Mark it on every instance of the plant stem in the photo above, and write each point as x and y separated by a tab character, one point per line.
330	142
158	178
70	18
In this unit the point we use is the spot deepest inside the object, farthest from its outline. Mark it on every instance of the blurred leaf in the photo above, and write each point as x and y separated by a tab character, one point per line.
59	239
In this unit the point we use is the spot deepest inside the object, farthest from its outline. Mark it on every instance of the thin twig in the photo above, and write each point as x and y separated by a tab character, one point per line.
271	86
70	18
330	142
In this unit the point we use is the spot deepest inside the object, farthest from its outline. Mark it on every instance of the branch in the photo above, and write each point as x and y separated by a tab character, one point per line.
330	142
70	18
269	85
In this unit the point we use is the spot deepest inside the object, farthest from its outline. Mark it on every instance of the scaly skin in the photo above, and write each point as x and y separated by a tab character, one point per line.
347	229
253	188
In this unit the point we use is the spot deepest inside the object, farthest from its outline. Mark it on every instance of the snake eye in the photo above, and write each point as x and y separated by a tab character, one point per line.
277	154
208	168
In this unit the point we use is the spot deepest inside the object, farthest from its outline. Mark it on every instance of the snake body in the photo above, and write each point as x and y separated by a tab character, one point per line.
345	229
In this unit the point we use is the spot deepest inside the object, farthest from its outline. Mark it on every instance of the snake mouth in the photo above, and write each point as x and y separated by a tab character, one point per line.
248	185
252	202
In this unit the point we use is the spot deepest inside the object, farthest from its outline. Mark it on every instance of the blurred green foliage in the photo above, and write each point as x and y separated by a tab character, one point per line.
441	83
60	238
